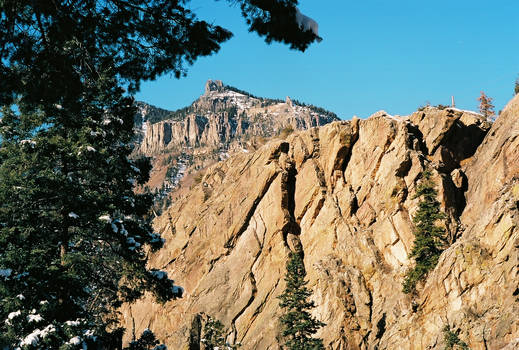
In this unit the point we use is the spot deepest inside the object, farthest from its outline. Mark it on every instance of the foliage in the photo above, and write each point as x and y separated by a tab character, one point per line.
286	131
74	235
147	341
516	87
442	107
429	237
452	339
486	107
152	114
198	177
298	324
213	337
318	110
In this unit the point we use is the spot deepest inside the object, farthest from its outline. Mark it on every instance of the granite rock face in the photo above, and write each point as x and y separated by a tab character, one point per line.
344	195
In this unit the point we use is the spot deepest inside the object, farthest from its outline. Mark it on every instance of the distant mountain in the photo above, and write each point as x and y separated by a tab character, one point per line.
221	115
223	121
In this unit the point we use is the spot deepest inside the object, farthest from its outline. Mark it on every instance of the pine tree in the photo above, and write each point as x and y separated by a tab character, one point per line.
213	336
147	341
486	107
516	88
74	235
298	325
429	237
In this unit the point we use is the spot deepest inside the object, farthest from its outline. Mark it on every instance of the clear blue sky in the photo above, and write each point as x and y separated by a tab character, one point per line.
376	54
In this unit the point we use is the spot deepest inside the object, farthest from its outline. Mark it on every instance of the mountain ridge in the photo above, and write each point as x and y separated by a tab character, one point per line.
344	194
222	121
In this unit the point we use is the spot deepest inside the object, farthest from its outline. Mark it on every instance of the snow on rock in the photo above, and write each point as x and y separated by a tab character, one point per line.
466	111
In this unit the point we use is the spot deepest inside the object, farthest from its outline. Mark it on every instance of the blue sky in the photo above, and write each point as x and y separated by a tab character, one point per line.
376	54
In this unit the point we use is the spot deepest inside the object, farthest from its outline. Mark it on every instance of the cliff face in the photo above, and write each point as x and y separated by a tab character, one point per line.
223	114
344	194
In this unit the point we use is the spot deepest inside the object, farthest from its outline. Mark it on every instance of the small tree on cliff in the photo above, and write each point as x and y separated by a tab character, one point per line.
516	88
298	324
429	237
214	338
486	107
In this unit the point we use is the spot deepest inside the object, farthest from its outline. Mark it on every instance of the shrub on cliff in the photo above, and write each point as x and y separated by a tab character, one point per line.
298	325
486	107
429	237
213	337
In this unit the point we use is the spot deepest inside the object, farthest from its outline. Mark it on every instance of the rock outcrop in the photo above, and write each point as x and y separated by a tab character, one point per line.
344	195
223	114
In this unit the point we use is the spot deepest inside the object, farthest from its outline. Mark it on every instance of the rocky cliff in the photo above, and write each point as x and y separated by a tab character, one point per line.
224	114
222	122
343	194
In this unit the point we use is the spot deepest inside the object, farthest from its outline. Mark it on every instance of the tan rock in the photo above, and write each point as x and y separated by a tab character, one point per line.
344	194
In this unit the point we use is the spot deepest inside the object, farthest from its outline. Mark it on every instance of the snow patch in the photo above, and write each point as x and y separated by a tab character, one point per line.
73	215
465	111
105	218
75	341
73	323
34	318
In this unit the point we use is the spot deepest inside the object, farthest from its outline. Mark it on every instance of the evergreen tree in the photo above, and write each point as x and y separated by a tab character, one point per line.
516	88
74	235
486	107
429	237
147	341
213	336
298	325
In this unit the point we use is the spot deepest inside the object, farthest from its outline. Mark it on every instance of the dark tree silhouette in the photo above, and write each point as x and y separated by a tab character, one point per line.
73	233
